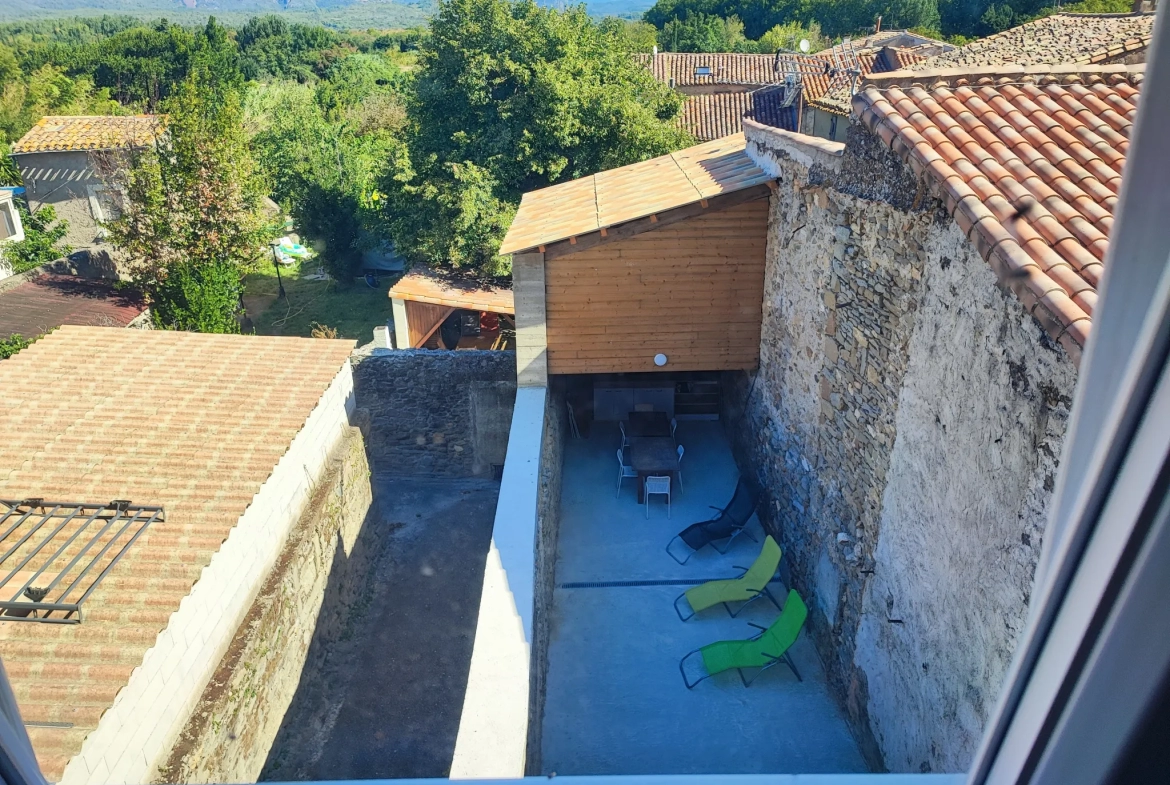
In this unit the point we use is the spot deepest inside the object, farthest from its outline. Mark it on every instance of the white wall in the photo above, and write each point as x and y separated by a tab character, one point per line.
493	728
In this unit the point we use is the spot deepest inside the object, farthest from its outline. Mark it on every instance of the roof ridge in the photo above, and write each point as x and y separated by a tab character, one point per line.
698	192
999	73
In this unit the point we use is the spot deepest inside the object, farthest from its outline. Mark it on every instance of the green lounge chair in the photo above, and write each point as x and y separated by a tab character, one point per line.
762	651
751	585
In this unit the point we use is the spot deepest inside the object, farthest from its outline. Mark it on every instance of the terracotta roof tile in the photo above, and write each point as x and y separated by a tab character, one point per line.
57	133
193	422
1071	39
690	69
616	196
716	115
1028	165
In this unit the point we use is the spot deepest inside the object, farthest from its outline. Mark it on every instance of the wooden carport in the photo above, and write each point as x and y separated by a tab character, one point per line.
423	299
653	267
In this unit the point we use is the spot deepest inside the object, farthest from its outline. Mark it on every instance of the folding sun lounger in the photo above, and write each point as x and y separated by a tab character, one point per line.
729	523
751	585
763	651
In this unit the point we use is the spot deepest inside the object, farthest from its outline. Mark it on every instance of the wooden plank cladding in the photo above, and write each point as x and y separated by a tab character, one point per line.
423	319
692	290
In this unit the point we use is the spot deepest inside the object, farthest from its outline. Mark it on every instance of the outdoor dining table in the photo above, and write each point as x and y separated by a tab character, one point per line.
652	456
648	424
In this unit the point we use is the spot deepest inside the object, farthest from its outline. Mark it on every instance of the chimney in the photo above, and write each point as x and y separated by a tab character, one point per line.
878	28
654	52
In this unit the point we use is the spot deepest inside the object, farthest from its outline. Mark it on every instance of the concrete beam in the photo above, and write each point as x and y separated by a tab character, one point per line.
531	335
401	328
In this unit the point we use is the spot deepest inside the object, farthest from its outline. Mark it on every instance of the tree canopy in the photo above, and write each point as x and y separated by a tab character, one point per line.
511	97
190	218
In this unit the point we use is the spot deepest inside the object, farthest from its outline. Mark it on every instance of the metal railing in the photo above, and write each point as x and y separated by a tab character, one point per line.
56	553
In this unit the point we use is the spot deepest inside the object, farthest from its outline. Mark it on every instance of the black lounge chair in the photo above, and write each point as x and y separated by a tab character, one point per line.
727	525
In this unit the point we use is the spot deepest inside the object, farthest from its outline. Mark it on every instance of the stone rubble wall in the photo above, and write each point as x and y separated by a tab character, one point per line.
552	451
879	318
436	413
301	607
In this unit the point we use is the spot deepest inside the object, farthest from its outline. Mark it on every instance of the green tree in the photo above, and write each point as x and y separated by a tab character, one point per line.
510	97
703	33
324	150
191	221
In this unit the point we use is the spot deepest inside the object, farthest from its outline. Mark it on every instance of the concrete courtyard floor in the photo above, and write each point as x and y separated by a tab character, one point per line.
387	702
616	703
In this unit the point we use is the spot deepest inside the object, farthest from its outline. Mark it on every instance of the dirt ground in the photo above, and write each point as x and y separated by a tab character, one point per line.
388	700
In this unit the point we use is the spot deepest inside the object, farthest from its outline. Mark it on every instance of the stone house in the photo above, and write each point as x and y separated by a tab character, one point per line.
921	301
56	163
777	89
1057	39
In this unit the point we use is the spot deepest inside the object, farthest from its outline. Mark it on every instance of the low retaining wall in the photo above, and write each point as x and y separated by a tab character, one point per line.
437	413
302	607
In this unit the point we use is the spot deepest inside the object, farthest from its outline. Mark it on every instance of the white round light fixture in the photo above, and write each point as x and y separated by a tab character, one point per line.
660	359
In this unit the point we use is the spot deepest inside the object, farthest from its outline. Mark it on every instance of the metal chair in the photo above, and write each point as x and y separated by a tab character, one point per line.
660	486
678	471
625	439
623	472
573	422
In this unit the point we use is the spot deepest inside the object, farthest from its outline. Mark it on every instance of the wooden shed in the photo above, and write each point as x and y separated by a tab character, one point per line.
656	267
423	300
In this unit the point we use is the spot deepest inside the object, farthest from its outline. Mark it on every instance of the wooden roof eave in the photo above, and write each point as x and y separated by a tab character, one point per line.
649	223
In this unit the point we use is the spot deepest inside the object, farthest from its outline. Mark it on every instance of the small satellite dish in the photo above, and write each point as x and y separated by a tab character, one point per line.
804	45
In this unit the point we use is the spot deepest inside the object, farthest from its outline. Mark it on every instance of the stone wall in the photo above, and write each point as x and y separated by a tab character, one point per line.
547	531
437	413
880	321
317	578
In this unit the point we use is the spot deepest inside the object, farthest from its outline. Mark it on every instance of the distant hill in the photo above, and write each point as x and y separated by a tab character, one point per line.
355	14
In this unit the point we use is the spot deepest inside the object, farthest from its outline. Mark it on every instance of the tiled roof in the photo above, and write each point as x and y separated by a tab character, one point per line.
47	301
427	286
687	69
1059	39
193	422
838	94
618	195
714	115
57	134
1028	162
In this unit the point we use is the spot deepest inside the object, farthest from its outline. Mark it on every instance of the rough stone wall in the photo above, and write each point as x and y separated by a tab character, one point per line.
980	422
436	413
547	532
317	576
839	425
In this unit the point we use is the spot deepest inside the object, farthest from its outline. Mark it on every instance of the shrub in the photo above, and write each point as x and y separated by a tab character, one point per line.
200	297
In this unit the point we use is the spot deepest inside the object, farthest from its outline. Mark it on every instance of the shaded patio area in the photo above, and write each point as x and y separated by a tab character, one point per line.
616	703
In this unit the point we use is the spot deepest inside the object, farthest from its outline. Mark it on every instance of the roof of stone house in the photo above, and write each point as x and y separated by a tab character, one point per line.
715	115
195	423
1028	161
837	95
427	286
60	134
1068	39
690	69
48	301
616	196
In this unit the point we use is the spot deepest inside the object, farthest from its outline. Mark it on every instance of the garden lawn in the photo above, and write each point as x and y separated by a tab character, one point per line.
354	311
